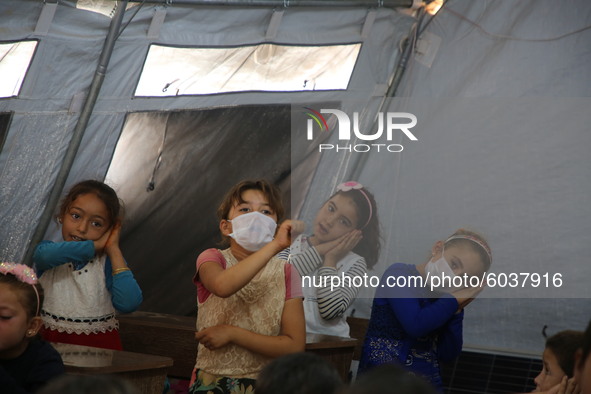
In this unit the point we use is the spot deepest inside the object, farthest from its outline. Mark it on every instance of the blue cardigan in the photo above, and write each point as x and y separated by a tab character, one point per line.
411	327
126	294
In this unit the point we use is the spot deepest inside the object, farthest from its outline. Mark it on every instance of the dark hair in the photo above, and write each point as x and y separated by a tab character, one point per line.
104	192
26	294
483	252
234	197
390	379
299	373
88	384
369	246
586	345
564	346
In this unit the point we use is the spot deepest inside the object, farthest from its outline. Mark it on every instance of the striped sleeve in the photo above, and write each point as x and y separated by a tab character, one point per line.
333	303
306	262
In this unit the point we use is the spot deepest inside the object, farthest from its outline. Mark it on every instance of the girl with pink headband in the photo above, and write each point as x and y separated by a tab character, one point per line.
415	327
344	244
26	362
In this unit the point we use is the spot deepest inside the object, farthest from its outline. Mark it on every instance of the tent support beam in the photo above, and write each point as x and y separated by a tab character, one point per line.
357	163
291	3
78	132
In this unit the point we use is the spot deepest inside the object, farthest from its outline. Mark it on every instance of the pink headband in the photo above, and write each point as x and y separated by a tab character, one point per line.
353	185
475	240
24	274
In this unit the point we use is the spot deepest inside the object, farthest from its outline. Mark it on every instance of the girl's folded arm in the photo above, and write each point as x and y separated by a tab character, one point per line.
306	262
333	301
449	343
52	254
291	338
417	320
126	294
225	282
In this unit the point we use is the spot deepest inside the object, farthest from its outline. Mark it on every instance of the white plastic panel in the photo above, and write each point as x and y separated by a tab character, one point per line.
14	62
171	71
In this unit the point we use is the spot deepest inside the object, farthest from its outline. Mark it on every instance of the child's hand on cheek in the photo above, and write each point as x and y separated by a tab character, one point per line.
345	244
113	239
215	337
566	386
99	244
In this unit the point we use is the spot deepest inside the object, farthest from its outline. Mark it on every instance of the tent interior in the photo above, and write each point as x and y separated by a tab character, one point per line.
198	95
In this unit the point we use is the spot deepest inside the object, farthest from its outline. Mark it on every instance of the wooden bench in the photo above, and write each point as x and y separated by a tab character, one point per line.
146	373
173	336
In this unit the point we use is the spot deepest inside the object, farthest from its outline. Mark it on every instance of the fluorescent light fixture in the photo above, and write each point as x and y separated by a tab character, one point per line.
433	7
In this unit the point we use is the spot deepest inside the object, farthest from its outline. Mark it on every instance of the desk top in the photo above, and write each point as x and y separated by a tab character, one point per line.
159	320
86	359
313	341
321	341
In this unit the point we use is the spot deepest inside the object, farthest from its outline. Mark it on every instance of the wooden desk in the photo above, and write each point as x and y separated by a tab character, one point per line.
145	372
336	350
163	335
173	336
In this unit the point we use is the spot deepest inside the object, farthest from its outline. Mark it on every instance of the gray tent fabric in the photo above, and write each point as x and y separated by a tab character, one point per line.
502	142
45	114
502	149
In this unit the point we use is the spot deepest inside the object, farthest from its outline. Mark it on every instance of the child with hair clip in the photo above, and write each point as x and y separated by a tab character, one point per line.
26	362
414	327
249	305
86	278
558	364
344	243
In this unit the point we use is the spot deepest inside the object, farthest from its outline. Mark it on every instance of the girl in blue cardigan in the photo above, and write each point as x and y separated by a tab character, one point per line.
414	327
86	278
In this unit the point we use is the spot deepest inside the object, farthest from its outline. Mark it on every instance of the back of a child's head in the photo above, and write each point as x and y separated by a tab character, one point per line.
234	197
475	242
299	373
88	384
564	345
22	281
367	220
586	345
390	379
103	191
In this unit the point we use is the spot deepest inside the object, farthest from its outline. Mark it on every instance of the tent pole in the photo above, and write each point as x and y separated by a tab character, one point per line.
357	165
290	3
78	132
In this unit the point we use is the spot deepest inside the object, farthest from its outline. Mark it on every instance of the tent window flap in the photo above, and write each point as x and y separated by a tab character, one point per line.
170	71
15	58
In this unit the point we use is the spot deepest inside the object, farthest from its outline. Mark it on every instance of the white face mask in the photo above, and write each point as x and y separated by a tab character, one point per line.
439	268
253	230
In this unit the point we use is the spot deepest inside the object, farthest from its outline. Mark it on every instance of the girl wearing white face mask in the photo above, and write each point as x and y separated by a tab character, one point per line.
414	327
249	300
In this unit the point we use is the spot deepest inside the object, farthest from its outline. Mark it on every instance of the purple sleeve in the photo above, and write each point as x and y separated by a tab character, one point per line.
418	319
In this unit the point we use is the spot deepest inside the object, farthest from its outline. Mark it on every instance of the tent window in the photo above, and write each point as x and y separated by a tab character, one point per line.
15	58
170	71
